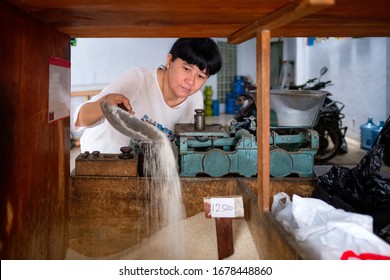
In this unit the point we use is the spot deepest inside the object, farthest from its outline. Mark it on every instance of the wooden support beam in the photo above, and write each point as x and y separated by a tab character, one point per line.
263	45
291	12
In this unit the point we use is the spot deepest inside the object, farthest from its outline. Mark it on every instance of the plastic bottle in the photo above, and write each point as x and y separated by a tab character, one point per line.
366	129
208	101
376	130
238	85
230	103
215	107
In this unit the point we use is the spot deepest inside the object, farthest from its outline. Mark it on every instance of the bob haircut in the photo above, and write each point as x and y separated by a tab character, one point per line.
202	52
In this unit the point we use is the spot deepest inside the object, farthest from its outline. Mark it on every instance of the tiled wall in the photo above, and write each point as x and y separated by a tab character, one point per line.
228	71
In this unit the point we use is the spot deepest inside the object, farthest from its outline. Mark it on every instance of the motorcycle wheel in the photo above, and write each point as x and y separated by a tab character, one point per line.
330	140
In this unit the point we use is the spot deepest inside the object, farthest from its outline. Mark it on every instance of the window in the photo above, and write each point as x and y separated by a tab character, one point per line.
228	70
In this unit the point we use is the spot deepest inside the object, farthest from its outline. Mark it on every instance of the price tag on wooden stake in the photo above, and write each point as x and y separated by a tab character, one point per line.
224	207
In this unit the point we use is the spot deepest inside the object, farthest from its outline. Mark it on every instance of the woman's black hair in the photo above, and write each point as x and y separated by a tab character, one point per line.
202	52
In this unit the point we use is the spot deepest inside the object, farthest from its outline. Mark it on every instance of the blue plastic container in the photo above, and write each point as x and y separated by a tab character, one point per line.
375	132
239	85
215	107
366	137
230	104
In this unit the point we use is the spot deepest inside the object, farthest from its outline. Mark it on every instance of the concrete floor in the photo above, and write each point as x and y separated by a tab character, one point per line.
353	157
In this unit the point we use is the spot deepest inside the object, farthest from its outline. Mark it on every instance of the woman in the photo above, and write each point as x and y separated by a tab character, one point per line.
162	96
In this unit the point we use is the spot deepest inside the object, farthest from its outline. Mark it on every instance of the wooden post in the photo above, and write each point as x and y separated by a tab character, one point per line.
224	209
263	46
224	228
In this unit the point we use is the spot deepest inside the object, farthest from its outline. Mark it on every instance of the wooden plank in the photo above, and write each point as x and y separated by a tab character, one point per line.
219	18
135	31
287	14
270	244
263	116
328	28
35	180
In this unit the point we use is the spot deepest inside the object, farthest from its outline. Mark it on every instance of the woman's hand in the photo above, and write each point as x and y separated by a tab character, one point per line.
119	100
91	112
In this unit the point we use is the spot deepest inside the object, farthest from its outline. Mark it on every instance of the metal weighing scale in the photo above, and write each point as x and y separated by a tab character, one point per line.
222	151
214	151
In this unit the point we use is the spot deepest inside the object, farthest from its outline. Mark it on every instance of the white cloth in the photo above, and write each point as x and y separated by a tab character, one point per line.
324	232
141	86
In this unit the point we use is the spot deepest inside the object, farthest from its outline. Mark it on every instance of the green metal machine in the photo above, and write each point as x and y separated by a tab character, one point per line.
216	151
220	151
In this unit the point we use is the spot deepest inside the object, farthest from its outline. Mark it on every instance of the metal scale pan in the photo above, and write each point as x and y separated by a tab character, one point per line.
293	142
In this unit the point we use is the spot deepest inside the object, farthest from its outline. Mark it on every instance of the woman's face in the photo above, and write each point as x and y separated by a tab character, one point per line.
184	79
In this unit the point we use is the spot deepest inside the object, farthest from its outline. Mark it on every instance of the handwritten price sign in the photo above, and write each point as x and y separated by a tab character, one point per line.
224	207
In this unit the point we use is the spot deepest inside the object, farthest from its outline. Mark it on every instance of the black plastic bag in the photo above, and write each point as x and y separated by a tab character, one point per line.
361	189
384	139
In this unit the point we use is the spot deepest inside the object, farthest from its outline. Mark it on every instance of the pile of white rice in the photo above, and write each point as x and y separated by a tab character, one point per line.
200	243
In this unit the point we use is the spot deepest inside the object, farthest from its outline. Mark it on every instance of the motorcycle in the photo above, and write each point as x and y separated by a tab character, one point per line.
329	126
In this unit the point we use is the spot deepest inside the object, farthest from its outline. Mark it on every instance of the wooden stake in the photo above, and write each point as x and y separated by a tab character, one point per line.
224	227
224	209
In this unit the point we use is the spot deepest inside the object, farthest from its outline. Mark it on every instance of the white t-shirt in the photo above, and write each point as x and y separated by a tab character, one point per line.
140	86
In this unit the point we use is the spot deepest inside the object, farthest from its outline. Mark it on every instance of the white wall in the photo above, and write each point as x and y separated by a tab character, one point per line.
358	71
96	62
246	55
246	59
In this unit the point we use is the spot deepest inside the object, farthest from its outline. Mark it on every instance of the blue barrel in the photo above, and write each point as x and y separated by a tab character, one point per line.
366	139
